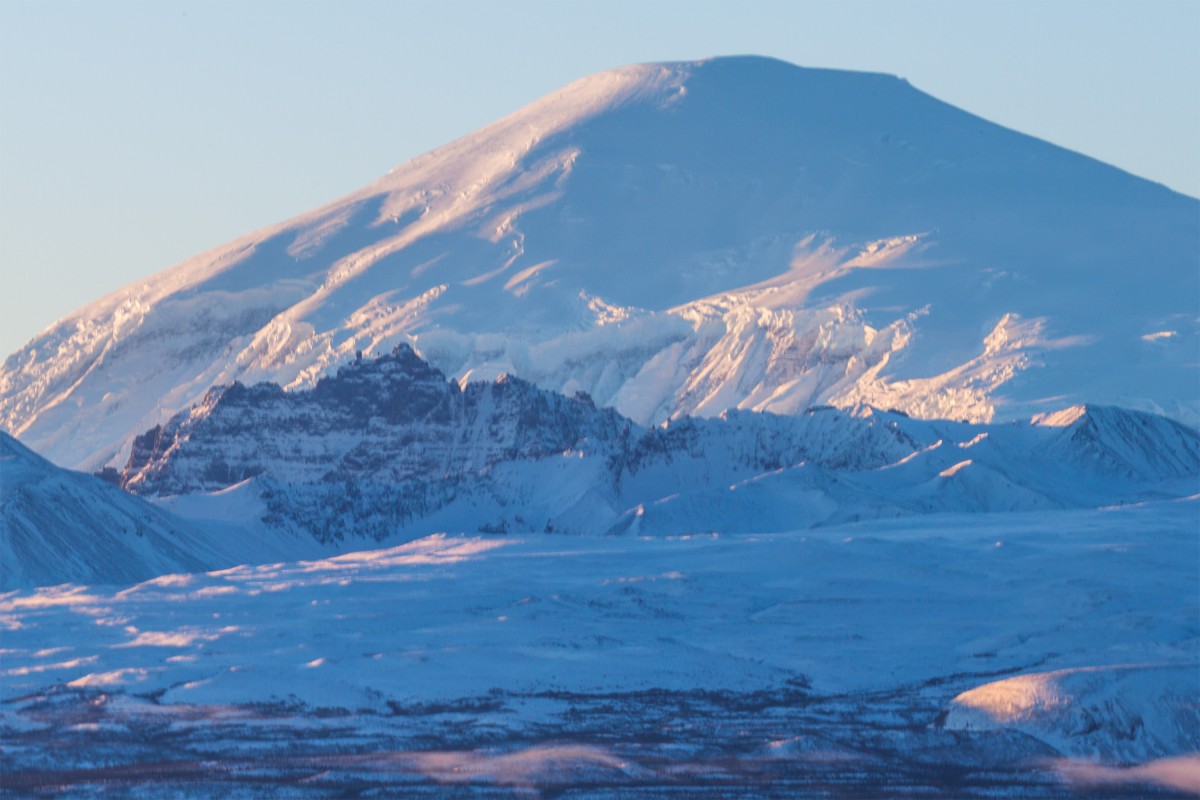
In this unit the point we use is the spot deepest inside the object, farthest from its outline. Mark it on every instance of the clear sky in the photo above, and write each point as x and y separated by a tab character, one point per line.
136	133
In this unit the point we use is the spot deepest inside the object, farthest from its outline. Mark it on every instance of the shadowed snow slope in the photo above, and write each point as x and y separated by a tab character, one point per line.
58	526
676	239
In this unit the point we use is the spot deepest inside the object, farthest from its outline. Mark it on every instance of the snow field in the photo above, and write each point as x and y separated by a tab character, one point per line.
935	607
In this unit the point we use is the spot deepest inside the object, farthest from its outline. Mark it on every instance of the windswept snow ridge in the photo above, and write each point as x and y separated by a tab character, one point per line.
676	239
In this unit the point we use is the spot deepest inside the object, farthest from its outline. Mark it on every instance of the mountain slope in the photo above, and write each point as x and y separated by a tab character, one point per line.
58	526
1130	712
676	239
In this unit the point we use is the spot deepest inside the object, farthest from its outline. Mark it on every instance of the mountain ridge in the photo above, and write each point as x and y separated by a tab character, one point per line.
389	447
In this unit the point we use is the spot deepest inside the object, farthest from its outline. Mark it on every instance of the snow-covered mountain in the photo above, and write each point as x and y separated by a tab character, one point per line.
1134	712
676	239
389	448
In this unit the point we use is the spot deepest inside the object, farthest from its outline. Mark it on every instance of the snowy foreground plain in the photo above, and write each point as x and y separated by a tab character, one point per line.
1050	654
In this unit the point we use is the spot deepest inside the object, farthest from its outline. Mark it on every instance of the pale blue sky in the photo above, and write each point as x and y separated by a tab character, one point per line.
134	134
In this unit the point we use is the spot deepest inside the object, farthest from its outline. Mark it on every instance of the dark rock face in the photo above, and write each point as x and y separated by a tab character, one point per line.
400	388
395	419
147	448
382	442
832	438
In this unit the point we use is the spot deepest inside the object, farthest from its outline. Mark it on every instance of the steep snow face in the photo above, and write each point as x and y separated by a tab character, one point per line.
676	239
388	448
1107	439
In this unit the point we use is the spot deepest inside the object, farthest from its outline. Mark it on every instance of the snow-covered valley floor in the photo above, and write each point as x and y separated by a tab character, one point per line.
855	661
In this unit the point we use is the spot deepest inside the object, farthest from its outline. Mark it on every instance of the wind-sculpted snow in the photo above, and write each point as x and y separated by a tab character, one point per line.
676	239
960	656
389	448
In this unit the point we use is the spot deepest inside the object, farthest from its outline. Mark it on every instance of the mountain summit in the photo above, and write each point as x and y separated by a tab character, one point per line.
676	239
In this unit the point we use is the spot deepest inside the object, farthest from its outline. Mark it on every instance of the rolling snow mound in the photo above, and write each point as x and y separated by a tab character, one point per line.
1127	713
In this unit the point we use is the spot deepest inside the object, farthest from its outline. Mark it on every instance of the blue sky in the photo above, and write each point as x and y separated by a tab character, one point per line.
134	134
